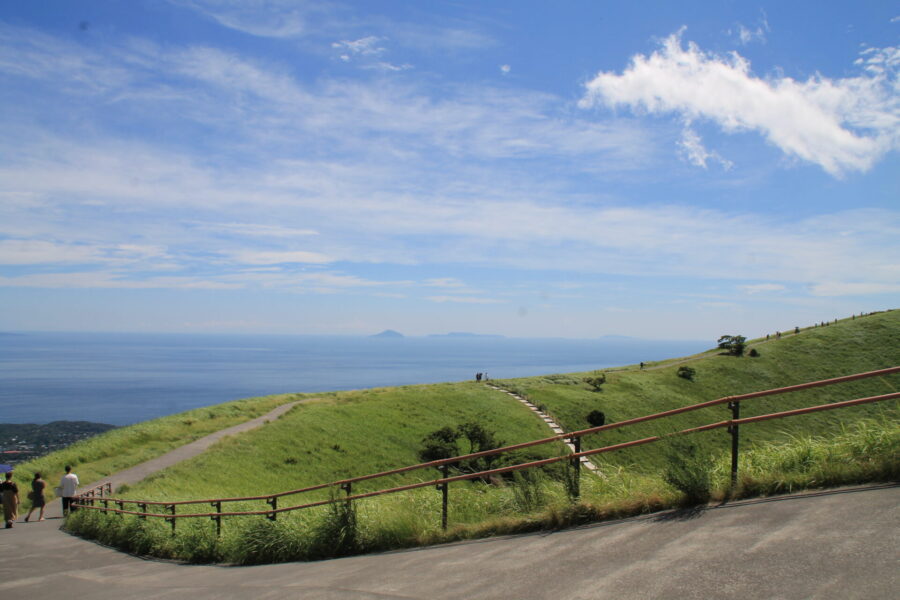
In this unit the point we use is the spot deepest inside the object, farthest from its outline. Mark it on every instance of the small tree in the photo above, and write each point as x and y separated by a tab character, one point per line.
754	353
596	381
443	443
596	418
733	344
686	372
439	444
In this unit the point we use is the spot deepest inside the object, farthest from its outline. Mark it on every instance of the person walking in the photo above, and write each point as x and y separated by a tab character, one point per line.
67	488
37	497
10	493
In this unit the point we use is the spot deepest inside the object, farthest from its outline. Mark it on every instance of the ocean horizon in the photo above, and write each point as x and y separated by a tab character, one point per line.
125	378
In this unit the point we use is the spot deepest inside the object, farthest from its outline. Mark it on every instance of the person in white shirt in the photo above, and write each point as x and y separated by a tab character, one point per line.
68	486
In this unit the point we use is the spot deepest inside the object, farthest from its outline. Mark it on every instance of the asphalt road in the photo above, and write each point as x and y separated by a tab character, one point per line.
841	544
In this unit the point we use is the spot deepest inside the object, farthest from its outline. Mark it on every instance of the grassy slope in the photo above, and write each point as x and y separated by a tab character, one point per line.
119	449
849	346
343	435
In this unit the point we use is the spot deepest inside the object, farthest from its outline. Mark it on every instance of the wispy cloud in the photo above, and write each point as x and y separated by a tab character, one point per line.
759	288
695	153
263	18
837	288
367	46
840	124
256	257
747	35
464	300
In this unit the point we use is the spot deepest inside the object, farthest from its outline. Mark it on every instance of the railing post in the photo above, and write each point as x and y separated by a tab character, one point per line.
576	484
121	506
172	518
273	502
733	430
218	517
445	491
348	488
143	508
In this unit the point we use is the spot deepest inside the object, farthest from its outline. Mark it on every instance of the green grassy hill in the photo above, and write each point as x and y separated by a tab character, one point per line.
341	435
843	348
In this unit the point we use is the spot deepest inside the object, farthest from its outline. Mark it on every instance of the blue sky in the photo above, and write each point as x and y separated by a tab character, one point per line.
532	169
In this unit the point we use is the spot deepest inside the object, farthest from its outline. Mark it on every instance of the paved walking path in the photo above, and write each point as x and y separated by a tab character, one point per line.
139	472
553	425
835	545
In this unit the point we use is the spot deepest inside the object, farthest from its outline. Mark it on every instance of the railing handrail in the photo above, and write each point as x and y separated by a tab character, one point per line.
507	469
556	438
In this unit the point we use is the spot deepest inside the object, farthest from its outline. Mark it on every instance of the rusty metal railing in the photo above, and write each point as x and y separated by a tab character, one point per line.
86	500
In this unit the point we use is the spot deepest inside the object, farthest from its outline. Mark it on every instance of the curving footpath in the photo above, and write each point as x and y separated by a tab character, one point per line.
836	544
555	427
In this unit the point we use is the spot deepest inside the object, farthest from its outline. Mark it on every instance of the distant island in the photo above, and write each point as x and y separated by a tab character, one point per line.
464	334
388	333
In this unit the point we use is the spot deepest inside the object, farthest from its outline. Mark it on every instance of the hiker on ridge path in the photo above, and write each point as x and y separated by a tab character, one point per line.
67	488
37	497
10	493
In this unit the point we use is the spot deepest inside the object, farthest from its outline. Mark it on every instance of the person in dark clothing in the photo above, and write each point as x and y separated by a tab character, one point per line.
10	493
37	497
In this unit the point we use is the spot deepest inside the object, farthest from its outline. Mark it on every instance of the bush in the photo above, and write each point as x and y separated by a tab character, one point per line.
754	353
596	418
596	381
688	470
686	373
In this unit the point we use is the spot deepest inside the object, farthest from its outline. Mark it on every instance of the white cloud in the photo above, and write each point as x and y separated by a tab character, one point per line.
366	46
464	300
760	288
748	35
34	252
255	257
444	282
258	230
505	69
838	288
840	124
263	18
110	280
693	150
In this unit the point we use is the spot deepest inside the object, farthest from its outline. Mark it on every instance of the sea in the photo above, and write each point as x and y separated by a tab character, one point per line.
125	378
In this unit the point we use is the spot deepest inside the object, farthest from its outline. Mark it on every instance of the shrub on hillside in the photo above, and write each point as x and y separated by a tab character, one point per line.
596	381
596	418
686	373
754	353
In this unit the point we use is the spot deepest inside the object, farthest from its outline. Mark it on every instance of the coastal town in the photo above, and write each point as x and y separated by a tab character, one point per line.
23	442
